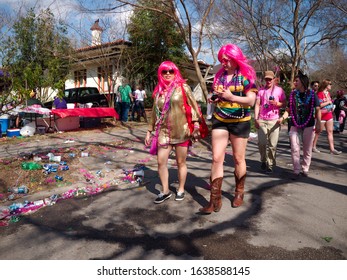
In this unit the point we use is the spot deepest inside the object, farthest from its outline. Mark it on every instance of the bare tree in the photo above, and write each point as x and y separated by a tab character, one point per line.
284	32
341	5
192	18
330	62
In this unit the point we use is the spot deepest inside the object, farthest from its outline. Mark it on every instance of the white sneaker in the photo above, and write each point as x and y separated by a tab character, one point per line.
315	150
335	152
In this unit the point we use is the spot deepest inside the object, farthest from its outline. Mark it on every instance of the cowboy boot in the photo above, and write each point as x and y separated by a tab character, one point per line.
215	203
239	190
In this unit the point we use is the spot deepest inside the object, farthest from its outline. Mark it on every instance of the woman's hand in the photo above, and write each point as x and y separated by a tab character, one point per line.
213	98
226	94
196	133
148	138
256	123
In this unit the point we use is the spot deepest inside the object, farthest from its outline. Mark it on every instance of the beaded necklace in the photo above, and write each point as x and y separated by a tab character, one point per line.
226	84
167	100
166	107
231	115
296	102
234	78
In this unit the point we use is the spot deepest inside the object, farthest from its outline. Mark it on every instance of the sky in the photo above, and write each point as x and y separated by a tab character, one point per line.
78	22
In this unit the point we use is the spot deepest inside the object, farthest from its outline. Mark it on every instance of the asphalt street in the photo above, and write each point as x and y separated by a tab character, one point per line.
282	218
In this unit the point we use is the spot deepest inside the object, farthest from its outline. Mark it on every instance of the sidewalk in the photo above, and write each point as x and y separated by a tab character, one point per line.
280	219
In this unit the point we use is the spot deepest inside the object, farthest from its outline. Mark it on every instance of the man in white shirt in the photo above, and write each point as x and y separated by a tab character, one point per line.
140	96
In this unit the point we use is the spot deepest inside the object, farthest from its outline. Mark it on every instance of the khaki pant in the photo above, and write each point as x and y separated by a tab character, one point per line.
268	134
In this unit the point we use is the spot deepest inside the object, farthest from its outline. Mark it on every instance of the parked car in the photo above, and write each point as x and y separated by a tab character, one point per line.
83	95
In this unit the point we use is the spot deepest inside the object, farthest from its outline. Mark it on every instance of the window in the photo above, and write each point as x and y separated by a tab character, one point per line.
105	78
80	78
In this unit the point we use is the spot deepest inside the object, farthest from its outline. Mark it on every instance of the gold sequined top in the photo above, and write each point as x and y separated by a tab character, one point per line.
174	127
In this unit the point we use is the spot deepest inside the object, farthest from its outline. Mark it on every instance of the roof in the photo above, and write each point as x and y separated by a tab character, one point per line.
109	44
96	26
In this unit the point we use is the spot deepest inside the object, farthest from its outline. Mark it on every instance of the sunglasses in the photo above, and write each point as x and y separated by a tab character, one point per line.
170	71
268	79
225	61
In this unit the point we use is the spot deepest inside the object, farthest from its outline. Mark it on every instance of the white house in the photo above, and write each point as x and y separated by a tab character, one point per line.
100	64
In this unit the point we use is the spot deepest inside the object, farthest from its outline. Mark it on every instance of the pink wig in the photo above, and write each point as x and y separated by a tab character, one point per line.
233	52
162	84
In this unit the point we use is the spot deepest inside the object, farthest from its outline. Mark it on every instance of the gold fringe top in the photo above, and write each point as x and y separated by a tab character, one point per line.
174	127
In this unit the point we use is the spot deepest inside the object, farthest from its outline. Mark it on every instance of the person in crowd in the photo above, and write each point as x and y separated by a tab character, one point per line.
140	95
234	95
340	110
118	103
29	102
59	102
327	118
126	99
170	126
305	119
134	106
33	99
209	107
314	86
270	100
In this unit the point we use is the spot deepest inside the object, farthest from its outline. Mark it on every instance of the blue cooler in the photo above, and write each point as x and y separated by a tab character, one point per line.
4	123
13	132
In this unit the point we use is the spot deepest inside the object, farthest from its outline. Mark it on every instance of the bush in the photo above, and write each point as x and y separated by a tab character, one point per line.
148	102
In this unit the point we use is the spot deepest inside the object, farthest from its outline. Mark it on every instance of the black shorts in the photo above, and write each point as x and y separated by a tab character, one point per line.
239	129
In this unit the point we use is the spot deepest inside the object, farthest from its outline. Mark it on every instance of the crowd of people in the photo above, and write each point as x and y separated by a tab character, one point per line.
308	109
176	119
131	102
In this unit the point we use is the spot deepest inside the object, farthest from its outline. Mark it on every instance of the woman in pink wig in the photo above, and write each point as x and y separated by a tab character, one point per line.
234	95
170	126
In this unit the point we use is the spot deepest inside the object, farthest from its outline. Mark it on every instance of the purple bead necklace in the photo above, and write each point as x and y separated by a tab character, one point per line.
296	102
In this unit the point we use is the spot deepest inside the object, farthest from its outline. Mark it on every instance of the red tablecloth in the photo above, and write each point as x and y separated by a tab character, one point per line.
96	112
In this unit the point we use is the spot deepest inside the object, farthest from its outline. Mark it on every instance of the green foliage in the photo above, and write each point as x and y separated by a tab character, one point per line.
37	53
148	101
286	85
154	38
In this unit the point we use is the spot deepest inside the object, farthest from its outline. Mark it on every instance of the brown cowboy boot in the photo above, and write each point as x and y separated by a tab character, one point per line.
215	203
239	191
